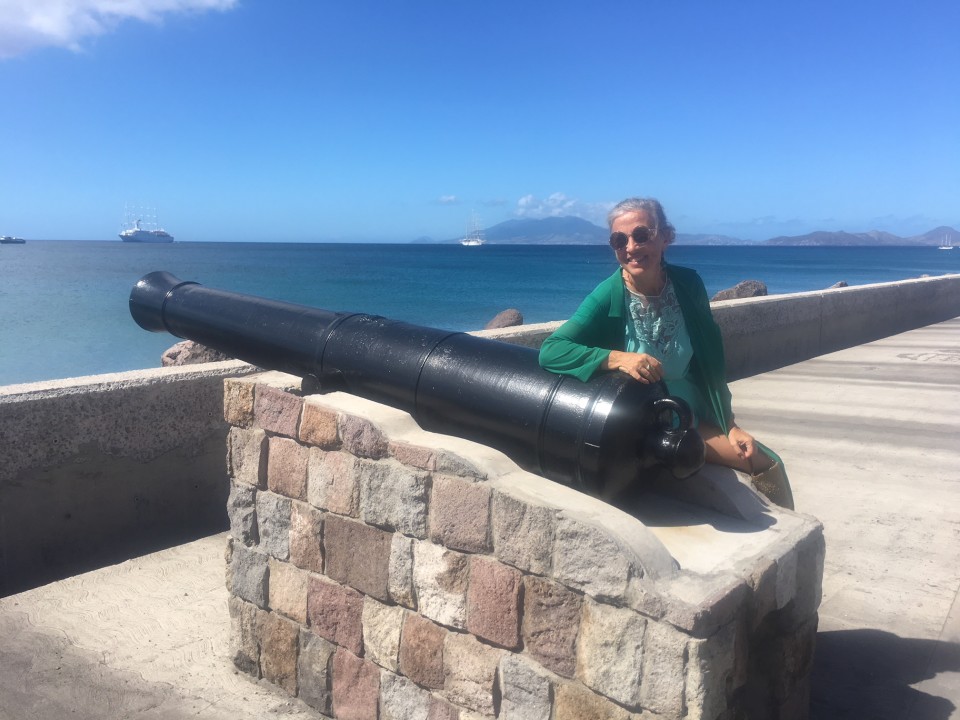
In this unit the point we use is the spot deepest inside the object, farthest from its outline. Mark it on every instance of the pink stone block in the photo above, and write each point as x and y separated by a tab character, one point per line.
277	411
356	687
551	622
358	555
421	651
493	602
362	438
460	514
287	468
332	482
318	426
413	455
306	538
442	710
335	613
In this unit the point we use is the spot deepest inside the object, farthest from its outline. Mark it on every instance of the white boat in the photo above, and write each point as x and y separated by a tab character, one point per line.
946	244
474	234
144	231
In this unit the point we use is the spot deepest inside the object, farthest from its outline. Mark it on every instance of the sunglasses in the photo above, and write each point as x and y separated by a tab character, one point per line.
640	235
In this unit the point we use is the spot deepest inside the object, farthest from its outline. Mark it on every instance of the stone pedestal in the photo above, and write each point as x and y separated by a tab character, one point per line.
380	571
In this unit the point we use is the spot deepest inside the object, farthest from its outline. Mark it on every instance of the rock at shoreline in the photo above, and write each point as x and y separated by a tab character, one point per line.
842	283
745	289
504	319
189	352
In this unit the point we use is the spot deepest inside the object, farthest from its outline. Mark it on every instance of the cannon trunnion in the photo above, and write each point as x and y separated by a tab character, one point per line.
599	436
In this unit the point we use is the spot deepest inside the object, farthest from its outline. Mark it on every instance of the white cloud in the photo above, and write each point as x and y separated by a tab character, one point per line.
559	205
29	24
447	200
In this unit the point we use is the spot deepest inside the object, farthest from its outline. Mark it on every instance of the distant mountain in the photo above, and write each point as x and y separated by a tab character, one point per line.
822	237
577	231
548	231
571	231
937	236
942	235
709	239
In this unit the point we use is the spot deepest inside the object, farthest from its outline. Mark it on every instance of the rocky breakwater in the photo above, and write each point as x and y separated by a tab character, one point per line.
744	289
378	570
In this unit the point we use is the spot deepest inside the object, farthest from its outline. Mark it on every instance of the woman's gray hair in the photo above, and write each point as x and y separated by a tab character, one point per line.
653	208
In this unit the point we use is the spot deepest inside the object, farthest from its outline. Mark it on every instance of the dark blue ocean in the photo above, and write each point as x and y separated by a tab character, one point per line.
64	310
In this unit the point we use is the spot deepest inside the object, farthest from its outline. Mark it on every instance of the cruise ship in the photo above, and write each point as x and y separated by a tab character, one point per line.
139	234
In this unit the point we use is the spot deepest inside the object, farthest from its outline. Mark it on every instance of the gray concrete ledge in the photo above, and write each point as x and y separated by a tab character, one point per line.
103	468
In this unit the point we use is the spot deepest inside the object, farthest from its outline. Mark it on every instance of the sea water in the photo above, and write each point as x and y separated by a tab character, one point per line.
64	305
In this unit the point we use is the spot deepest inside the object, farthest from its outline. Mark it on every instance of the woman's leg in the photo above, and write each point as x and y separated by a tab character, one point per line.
719	451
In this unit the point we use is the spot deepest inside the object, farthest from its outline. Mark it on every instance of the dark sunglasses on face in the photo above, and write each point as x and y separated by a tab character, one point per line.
640	235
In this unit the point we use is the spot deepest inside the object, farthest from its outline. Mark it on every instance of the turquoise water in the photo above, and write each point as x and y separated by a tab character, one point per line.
63	305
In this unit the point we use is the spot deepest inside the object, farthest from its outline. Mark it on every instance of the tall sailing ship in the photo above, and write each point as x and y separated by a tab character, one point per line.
474	234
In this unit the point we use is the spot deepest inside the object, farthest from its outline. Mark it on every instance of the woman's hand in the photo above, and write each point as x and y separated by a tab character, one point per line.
743	443
640	366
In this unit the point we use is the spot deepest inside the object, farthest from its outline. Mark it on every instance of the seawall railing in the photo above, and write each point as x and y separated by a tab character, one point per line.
765	333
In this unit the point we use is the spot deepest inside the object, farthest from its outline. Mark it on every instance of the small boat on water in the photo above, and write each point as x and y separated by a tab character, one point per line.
474	236
142	230
9	240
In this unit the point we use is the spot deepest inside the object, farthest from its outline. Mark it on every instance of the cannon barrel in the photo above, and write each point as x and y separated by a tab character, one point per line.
599	436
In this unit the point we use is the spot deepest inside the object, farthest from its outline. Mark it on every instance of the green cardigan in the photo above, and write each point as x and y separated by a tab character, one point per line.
581	345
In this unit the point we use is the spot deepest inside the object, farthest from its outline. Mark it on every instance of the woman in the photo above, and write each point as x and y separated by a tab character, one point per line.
652	321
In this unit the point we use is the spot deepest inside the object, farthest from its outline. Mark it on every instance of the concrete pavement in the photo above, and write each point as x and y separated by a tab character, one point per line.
148	638
871	439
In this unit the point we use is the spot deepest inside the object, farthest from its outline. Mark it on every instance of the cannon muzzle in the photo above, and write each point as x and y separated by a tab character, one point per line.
600	436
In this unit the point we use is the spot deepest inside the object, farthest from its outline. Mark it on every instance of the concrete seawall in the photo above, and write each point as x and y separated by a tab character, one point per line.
766	333
104	468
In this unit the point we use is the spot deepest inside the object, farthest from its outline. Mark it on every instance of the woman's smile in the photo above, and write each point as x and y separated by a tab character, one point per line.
640	260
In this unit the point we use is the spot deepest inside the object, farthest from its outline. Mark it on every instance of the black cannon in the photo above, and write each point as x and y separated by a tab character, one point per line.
600	436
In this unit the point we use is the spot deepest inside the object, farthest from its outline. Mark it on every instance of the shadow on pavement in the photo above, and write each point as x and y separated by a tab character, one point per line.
868	673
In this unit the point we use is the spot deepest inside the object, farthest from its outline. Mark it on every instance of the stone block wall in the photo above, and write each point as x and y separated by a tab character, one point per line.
378	571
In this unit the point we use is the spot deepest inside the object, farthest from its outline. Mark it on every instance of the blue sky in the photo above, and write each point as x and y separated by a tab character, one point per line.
309	120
